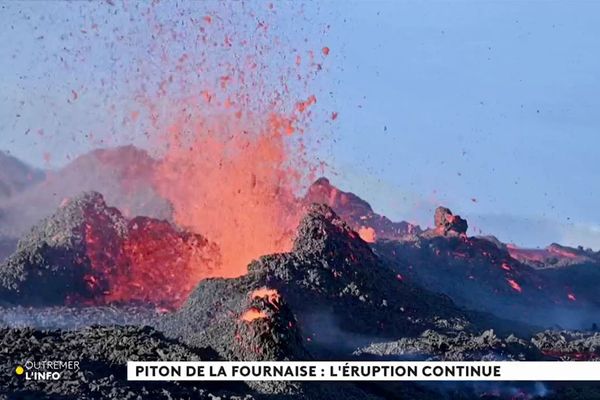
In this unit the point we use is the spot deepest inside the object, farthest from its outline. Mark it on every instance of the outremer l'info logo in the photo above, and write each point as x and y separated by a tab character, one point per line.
45	370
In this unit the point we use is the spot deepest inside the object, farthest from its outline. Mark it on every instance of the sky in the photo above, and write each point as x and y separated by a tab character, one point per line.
488	107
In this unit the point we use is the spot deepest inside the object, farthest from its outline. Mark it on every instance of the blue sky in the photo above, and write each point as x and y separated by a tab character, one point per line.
489	107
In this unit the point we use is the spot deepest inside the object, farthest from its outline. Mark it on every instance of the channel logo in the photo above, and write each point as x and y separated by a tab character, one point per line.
45	370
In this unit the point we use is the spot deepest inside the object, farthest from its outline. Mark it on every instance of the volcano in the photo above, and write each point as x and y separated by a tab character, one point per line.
482	273
88	252
549	286
103	352
334	285
353	286
331	297
85	242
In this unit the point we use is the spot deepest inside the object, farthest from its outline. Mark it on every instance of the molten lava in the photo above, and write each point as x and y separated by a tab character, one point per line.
148	263
505	267
252	314
233	180
367	234
161	266
225	117
514	285
271	295
233	157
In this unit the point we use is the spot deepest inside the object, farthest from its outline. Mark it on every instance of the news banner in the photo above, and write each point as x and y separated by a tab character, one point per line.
363	371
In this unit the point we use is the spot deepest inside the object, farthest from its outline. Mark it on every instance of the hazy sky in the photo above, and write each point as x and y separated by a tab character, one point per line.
489	107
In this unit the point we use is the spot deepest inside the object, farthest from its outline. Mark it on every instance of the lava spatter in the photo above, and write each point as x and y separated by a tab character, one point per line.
234	154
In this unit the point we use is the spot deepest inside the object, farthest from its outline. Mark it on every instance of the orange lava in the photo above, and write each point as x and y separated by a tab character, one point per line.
225	118
233	181
367	234
271	294
514	285
252	314
302	106
161	267
505	267
233	159
154	264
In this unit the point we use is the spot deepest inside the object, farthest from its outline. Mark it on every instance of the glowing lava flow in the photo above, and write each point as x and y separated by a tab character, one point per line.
367	234
505	267
155	256
514	285
145	261
253	314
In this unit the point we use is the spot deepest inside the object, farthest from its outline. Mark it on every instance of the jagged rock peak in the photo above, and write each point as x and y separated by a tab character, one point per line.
322	232
448	223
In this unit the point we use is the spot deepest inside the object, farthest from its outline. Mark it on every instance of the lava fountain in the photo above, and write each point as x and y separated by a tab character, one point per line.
231	137
233	178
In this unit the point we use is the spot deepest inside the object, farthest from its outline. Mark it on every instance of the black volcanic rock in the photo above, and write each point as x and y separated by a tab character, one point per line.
242	326
339	292
356	212
480	273
323	299
51	261
555	285
254	327
476	274
323	235
102	353
76	317
435	346
446	224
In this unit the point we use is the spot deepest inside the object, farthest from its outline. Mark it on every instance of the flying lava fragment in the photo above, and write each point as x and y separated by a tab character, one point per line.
513	284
